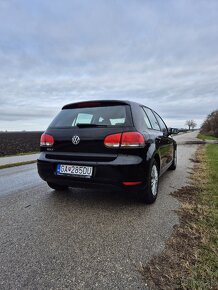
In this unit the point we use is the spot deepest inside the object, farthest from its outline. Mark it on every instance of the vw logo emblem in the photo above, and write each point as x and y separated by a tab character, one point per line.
75	140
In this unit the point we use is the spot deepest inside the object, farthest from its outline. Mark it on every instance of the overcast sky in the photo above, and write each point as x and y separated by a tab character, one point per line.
163	54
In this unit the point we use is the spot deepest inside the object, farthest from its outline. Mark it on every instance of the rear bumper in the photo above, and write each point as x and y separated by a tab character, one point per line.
125	168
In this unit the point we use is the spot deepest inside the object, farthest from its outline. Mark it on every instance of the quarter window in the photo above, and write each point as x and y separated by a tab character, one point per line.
153	120
161	123
146	120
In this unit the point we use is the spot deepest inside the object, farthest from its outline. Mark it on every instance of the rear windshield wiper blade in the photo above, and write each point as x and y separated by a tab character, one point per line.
81	125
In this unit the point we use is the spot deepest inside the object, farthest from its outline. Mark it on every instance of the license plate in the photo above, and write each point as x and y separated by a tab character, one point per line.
74	170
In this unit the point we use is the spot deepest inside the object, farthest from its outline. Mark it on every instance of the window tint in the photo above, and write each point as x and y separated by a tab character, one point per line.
101	115
146	120
152	119
161	123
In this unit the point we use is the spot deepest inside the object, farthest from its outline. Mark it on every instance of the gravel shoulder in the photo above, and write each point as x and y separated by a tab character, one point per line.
18	159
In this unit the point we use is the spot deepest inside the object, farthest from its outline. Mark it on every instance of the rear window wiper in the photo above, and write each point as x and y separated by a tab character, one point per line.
81	125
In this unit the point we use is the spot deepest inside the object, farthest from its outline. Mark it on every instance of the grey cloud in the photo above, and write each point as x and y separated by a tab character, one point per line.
160	53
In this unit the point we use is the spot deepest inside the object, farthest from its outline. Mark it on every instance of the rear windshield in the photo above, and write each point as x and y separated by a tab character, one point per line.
109	116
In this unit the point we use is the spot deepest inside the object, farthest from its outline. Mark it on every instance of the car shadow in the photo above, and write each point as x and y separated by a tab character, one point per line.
97	196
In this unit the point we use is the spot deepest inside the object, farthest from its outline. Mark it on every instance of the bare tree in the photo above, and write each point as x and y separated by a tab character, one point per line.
191	124
188	123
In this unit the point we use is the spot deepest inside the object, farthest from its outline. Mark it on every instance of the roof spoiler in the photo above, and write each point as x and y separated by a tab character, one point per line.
98	103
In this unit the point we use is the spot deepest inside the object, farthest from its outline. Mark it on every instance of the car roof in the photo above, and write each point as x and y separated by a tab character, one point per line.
100	102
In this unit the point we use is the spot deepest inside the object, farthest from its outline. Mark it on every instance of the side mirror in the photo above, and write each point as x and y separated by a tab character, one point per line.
173	131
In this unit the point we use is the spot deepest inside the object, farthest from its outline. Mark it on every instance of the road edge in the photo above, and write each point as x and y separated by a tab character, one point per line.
17	164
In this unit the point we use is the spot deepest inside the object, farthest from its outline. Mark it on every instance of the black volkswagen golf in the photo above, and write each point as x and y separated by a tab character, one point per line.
118	143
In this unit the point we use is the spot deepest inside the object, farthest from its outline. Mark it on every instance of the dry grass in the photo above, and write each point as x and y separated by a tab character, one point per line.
189	260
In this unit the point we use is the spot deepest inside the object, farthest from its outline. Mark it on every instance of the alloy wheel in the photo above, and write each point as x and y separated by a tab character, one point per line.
154	180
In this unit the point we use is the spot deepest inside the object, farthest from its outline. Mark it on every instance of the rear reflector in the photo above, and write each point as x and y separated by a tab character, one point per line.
130	183
46	140
125	140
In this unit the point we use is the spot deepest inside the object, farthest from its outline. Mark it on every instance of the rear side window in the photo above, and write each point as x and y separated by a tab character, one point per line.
111	116
151	117
147	123
161	123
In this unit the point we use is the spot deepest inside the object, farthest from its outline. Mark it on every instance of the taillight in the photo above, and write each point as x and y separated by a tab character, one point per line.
132	139
125	140
46	140
113	140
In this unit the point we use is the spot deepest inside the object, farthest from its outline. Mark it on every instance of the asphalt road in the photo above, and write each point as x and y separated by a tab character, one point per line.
81	239
187	137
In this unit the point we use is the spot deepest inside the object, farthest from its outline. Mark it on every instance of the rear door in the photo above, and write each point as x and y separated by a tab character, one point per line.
160	136
168	140
80	131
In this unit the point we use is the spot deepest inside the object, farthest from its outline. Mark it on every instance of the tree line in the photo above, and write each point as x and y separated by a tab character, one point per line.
210	125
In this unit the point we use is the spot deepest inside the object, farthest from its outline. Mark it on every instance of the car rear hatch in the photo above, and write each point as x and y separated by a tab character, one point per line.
80	129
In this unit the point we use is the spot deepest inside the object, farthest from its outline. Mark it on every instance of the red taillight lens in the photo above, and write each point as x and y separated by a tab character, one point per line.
113	140
132	139
46	140
125	140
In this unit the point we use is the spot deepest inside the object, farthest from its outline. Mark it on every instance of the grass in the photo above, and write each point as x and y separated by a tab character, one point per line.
206	137
190	258
17	164
20	154
205	271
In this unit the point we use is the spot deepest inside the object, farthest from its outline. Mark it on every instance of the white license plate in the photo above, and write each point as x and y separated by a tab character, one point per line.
85	171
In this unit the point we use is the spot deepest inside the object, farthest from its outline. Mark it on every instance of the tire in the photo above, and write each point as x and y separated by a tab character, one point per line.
57	186
174	164
150	192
